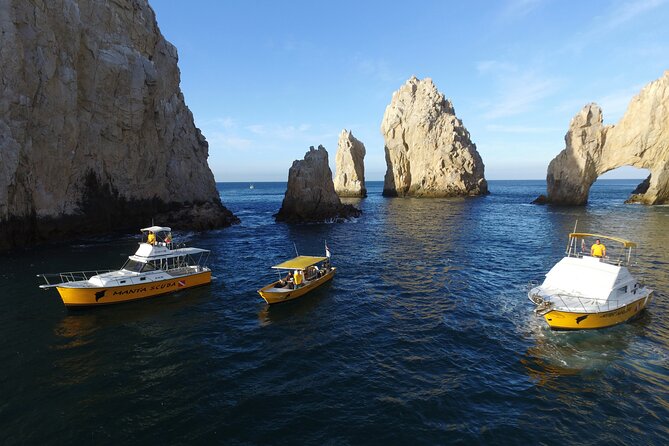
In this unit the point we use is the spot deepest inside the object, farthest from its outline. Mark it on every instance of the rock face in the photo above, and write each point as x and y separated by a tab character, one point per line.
640	139
94	131
428	150
311	196
349	180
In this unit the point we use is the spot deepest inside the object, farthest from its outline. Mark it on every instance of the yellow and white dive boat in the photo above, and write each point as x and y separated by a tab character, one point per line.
585	292
158	267
305	273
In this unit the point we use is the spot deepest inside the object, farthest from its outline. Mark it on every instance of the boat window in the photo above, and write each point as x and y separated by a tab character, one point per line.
148	267
133	265
623	289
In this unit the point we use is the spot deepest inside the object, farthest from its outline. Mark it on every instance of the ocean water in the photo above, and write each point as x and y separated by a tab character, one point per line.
425	336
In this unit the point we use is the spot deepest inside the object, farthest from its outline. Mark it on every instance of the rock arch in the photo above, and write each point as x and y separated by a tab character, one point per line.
640	139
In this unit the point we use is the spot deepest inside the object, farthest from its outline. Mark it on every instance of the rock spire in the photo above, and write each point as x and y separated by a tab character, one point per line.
349	180
428	151
310	196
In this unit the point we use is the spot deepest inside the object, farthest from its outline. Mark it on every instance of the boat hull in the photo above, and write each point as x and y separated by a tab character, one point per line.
564	320
95	296
275	297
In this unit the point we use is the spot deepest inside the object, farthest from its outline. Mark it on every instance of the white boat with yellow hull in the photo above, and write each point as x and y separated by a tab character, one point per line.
586	292
315	272
158	267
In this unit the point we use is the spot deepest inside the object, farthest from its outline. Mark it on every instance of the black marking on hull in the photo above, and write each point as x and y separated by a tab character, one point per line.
581	318
99	295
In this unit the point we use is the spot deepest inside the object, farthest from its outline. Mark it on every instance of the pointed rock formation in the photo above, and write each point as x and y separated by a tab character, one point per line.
310	196
640	139
428	150
94	131
349	180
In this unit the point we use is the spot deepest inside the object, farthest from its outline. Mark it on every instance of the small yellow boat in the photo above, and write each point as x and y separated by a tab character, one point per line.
583	291
158	267
305	273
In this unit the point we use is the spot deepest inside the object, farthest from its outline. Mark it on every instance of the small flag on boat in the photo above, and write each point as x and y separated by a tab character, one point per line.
327	250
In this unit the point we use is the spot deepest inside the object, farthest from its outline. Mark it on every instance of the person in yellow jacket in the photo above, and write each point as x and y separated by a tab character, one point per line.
297	278
151	239
598	249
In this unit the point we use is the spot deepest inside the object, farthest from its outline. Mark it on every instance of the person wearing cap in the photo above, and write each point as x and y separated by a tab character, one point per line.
598	249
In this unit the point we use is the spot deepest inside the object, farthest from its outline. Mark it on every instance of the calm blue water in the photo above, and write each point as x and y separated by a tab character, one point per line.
425	336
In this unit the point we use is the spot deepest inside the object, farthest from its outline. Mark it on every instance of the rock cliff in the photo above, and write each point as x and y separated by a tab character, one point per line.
349	180
94	131
310	196
639	139
428	151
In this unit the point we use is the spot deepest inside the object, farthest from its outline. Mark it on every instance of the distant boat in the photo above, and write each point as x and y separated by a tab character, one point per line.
588	290
251	186
309	276
158	267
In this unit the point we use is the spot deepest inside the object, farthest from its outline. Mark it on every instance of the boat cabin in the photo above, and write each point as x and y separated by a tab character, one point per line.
580	274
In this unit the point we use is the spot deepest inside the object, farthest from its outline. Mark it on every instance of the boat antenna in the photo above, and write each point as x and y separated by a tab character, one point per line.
572	241
296	253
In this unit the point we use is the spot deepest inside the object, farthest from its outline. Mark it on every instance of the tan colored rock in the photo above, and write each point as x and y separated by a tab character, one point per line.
428	151
94	130
349	180
310	195
639	139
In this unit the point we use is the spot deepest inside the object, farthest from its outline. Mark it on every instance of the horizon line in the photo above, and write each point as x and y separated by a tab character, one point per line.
381	181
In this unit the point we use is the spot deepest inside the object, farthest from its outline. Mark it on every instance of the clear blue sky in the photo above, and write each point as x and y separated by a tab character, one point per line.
267	79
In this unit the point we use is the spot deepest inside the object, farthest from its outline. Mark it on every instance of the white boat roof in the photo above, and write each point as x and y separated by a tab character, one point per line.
148	252
586	277
156	229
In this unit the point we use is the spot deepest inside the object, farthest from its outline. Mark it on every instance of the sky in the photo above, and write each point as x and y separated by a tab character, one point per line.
267	79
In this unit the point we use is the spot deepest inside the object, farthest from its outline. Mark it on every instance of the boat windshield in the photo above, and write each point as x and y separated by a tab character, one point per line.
137	267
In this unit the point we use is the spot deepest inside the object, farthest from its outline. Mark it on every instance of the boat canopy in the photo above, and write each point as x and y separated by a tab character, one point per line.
156	229
625	243
586	276
163	253
299	262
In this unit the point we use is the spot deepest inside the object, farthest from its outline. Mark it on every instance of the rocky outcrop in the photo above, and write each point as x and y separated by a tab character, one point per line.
310	196
428	151
349	180
94	131
640	139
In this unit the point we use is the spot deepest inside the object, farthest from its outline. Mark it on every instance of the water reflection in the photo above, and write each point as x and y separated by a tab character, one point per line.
294	309
74	330
566	353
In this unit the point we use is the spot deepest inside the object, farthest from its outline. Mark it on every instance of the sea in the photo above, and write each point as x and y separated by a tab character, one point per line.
425	336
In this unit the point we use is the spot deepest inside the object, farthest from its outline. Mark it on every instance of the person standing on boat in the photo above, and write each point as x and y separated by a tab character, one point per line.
598	249
297	278
151	239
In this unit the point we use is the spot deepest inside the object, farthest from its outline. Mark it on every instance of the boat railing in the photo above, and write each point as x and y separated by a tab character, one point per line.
593	307
618	256
618	261
55	279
